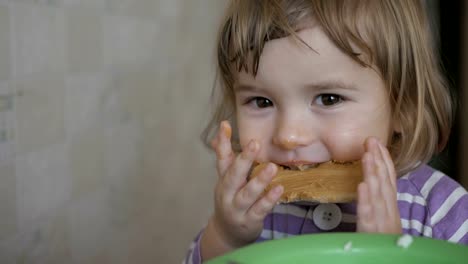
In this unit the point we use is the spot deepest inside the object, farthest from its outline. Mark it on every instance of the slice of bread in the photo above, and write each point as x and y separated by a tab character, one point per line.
329	182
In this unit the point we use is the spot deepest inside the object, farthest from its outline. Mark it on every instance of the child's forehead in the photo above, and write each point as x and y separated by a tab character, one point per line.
314	49
285	65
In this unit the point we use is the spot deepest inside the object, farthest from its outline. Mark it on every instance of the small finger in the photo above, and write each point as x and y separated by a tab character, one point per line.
236	176
250	193
387	158
264	205
386	189
223	148
364	210
373	182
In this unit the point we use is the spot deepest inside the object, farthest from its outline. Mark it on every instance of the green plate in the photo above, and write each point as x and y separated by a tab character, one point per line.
335	248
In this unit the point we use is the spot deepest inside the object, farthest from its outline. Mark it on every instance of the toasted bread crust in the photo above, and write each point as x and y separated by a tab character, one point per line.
330	182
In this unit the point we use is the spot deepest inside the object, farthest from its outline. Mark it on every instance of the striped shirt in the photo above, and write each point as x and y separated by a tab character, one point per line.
430	203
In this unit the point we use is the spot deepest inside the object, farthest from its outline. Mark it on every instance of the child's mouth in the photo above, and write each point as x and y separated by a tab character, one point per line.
299	167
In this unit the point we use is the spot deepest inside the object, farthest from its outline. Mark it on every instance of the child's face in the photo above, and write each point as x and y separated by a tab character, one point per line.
310	107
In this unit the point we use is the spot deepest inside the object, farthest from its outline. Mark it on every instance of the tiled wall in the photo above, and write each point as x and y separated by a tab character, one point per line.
101	105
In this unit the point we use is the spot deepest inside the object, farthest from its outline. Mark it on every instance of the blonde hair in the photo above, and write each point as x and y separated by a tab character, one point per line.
395	38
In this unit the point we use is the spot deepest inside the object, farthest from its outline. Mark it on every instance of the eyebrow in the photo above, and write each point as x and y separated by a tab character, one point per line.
246	88
319	86
332	84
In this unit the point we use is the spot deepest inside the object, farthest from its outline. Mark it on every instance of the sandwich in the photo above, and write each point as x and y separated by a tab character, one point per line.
329	182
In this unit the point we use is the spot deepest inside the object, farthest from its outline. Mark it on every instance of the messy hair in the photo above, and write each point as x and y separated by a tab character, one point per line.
395	39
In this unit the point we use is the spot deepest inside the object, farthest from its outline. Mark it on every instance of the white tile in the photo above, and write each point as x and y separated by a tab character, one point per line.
40	107
44	241
170	9
88	225
84	35
129	41
86	153
7	199
38	38
84	98
124	157
5	63
140	8
123	146
43	183
41	2
7	123
91	4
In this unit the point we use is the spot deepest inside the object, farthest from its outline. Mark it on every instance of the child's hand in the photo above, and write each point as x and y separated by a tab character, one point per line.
377	209
240	207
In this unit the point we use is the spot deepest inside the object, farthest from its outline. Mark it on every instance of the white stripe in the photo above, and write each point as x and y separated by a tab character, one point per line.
418	226
272	234
290	209
190	260
191	249
406	197
406	176
447	205
461	232
427	231
435	177
192	246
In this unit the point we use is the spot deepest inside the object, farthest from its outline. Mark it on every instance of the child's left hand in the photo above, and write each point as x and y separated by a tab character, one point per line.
377	209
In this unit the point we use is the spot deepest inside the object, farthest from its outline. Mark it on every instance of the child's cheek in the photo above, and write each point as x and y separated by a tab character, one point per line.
346	145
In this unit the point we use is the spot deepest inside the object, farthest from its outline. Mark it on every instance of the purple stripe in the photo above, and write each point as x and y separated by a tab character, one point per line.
293	225
196	254
453	220
407	186
413	211
411	231
349	208
342	227
420	176
464	239
310	228
284	223
440	192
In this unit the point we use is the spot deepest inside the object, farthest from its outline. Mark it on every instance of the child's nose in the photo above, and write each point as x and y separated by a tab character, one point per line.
292	135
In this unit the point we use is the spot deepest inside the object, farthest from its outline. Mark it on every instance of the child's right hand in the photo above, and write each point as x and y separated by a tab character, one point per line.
240	206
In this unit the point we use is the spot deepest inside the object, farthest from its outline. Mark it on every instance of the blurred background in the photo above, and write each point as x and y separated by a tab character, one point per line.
101	107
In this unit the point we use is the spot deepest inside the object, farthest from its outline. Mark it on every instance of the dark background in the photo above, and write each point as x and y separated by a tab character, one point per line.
448	17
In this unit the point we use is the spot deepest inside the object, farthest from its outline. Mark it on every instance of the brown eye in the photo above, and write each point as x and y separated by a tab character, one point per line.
329	99
262	102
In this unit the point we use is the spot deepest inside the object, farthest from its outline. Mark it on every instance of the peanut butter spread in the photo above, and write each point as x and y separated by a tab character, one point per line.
330	182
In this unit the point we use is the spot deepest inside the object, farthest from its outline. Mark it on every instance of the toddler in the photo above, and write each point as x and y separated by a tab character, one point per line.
304	82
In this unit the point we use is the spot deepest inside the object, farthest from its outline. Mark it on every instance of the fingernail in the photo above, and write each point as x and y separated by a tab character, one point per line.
227	129
270	167
379	141
278	189
368	158
252	146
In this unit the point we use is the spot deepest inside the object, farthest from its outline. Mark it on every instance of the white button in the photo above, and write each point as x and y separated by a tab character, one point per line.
327	216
